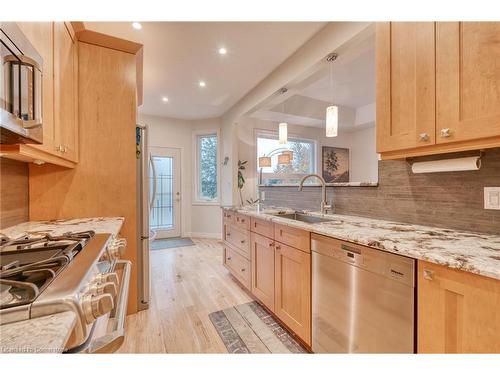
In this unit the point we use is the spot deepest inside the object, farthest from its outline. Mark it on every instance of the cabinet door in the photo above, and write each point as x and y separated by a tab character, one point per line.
66	92
292	303
41	36
467	80
458	312
263	270
405	71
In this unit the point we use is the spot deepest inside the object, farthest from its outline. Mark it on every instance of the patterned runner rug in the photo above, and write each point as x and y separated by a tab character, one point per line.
249	328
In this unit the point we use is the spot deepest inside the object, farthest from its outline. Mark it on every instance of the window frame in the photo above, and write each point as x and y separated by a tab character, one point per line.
197	134
263	133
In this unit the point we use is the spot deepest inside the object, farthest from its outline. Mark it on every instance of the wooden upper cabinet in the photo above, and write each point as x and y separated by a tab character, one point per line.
438	87
467	80
405	85
66	91
41	36
458	312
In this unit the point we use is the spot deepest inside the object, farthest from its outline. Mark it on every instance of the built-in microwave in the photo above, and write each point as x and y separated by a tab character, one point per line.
20	87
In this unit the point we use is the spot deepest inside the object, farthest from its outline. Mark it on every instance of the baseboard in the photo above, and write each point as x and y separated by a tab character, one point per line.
215	236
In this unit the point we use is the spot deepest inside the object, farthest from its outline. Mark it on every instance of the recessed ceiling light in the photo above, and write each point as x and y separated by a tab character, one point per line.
222	51
136	25
202	83
165	99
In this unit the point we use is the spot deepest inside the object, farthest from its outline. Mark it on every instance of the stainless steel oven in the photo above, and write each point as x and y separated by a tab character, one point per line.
20	87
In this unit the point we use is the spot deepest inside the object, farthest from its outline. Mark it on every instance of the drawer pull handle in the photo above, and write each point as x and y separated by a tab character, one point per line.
445	133
423	137
428	274
228	234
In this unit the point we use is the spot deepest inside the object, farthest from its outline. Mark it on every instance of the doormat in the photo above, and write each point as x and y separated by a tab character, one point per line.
249	328
169	243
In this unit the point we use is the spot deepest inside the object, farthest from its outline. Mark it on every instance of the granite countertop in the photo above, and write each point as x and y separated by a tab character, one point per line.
110	225
47	334
472	252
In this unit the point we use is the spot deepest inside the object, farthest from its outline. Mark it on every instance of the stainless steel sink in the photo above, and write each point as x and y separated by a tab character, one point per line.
303	218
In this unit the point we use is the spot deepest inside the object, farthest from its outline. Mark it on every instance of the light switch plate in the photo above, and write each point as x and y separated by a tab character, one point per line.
492	198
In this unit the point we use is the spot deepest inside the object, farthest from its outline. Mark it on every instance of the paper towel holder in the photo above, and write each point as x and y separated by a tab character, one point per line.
411	161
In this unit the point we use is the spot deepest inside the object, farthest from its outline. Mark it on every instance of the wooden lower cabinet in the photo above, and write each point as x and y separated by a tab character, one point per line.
292	289
238	265
262	259
458	312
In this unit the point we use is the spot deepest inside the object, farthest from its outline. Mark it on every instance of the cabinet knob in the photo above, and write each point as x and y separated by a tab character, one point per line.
242	220
428	274
242	270
271	244
228	234
278	247
228	258
445	133
423	137
242	241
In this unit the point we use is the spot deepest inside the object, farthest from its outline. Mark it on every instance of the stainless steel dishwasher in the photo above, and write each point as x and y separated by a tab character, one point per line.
363	300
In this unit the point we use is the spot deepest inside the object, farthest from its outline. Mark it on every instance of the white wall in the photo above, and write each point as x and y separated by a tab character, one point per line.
363	158
196	220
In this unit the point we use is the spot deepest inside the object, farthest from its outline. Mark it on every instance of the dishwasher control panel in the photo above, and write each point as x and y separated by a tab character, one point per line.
393	266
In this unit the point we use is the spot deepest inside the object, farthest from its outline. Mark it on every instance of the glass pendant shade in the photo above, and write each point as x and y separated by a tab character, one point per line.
332	121
283	133
284	159
264	161
289	152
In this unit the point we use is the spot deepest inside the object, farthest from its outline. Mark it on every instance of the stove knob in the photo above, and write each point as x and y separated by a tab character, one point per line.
96	306
102	304
108	287
107	277
101	288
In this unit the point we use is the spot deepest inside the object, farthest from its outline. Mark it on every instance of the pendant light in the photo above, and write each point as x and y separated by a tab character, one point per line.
332	112
283	126
283	133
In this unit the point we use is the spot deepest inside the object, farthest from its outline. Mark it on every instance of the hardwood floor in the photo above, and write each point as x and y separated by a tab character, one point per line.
187	284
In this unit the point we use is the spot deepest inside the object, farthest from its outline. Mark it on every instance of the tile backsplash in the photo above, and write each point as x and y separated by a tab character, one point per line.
449	199
14	192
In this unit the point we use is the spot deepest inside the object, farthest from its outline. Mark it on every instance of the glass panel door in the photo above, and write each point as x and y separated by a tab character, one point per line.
164	216
161	216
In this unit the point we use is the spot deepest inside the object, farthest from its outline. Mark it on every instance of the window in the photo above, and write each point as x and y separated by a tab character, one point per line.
207	187
303	162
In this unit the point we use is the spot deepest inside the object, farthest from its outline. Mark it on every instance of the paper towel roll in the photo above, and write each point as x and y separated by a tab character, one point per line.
472	163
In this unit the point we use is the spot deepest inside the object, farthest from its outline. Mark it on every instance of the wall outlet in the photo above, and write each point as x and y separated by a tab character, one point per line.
492	198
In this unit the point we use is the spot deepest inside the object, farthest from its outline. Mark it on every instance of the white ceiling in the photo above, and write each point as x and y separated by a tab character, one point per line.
349	83
353	83
179	54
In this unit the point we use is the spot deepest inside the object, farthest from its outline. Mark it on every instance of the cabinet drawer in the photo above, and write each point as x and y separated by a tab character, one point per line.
237	265
263	227
228	217
237	238
242	221
298	238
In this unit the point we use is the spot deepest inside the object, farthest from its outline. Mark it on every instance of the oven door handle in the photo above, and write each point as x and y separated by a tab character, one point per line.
111	342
